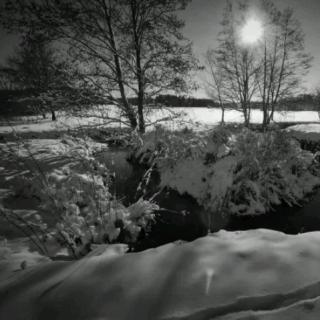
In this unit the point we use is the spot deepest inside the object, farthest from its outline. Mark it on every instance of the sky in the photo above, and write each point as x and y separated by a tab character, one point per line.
202	18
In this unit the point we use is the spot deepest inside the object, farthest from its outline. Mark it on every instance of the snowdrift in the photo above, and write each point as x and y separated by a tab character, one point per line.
257	274
310	132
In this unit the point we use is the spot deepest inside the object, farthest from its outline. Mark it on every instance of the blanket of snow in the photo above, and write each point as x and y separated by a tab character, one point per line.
257	274
172	118
212	116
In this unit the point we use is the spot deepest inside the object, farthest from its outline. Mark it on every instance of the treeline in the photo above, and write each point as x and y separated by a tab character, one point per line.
182	101
309	102
14	102
20	102
27	102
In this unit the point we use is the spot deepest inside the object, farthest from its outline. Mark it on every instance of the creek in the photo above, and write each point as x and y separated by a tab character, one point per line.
182	218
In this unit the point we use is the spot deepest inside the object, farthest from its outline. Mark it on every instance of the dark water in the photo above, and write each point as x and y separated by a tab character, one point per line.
180	216
290	220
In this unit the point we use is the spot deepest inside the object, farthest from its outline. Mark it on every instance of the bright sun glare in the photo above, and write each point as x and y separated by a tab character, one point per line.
251	31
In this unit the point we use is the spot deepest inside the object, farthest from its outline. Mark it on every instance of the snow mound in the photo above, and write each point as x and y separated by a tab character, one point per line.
310	132
257	274
15	255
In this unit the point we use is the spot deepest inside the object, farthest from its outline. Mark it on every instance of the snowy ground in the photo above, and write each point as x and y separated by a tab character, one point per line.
187	117
257	274
15	255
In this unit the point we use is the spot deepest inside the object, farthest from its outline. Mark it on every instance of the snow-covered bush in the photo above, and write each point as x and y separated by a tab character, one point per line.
271	169
83	210
87	212
166	148
233	171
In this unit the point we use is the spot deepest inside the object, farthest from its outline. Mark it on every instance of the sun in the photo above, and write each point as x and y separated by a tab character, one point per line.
252	31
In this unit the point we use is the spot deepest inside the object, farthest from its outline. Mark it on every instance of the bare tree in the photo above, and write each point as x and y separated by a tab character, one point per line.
283	60
215	86
238	62
123	47
163	57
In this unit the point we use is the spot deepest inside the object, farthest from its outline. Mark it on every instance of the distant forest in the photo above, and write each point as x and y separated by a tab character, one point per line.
310	102
14	102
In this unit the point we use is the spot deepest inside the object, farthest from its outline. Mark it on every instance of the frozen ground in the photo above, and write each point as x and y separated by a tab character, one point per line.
257	274
187	117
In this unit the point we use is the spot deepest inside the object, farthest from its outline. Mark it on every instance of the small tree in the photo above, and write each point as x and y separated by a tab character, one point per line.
35	68
283	60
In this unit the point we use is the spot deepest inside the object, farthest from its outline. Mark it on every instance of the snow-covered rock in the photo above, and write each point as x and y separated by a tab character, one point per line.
257	274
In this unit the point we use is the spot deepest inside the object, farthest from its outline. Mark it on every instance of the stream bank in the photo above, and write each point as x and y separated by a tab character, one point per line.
182	218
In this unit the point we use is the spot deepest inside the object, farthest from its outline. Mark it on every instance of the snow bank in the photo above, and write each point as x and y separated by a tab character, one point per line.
257	274
310	132
15	255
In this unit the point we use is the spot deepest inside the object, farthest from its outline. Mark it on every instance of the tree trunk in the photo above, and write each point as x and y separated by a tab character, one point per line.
272	114
53	115
142	127
126	106
246	115
139	72
265	116
222	115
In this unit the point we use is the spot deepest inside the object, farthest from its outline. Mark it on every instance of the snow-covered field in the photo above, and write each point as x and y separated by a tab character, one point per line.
257	274
211	116
175	118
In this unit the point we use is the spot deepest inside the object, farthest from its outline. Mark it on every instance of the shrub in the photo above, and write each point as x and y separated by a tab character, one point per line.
83	210
166	148
233	170
271	169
